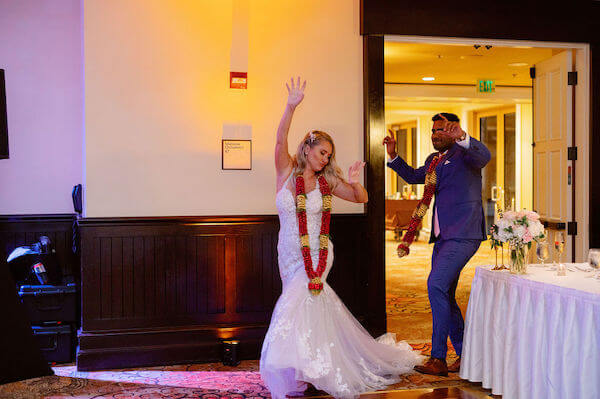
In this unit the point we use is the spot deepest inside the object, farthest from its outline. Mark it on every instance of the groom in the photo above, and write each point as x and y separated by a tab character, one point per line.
458	227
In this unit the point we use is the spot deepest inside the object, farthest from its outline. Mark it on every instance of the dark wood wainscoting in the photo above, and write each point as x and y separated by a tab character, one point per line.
169	290
19	230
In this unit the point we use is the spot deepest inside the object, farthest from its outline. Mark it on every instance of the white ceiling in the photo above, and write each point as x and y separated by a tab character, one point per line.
461	64
456	69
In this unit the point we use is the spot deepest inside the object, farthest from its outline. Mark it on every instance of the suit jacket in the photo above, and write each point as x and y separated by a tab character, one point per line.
458	189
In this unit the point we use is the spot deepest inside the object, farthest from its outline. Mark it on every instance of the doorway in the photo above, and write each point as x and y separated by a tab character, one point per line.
504	122
497	130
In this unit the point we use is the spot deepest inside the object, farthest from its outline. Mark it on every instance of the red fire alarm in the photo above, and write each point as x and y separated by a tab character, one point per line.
238	80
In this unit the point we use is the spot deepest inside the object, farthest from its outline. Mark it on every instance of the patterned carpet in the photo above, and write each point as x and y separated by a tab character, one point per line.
408	312
408	316
206	381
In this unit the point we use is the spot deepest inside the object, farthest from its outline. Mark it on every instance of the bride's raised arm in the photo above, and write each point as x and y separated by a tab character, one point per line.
283	160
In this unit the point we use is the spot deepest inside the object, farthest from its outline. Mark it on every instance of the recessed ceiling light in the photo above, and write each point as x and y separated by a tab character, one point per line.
518	64
428	78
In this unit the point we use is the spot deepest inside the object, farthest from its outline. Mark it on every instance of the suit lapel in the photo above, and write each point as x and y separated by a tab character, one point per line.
439	170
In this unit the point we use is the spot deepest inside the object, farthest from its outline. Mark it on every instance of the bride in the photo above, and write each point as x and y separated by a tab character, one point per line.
313	340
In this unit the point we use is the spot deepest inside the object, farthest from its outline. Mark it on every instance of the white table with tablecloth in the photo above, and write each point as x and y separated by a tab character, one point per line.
535	335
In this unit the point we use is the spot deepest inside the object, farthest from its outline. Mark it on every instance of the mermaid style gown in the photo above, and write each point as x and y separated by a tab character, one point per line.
315	339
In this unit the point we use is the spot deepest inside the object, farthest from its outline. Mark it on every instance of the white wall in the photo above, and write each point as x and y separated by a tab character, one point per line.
157	97
40	51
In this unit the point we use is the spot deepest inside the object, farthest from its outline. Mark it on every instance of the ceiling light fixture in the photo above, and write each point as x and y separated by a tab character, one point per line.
518	64
428	78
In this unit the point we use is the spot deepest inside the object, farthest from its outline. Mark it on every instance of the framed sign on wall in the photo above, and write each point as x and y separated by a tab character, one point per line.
236	154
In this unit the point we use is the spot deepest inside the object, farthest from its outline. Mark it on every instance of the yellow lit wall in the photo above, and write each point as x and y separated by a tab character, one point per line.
157	97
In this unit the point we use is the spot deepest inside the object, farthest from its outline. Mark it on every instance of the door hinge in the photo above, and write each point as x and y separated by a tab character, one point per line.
532	72
572	153
572	78
572	228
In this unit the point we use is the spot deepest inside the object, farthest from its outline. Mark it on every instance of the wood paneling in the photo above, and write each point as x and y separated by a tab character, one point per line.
168	290
519	20
374	122
595	144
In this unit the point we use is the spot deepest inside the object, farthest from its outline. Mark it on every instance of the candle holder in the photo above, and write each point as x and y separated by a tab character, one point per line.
230	352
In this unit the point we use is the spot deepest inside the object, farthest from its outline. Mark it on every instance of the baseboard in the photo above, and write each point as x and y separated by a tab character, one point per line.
154	347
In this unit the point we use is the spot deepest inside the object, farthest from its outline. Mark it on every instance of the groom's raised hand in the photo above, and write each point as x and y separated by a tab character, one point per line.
453	129
390	144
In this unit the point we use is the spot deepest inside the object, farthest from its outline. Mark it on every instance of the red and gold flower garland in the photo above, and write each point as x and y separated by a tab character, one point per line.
315	285
421	209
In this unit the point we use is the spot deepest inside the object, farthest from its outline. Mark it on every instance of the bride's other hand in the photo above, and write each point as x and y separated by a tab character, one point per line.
295	92
352	190
354	171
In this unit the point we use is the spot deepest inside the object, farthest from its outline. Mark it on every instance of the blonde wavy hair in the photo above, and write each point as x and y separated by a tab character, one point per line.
332	172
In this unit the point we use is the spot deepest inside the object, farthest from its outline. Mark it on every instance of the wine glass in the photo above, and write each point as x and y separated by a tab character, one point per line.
559	247
594	260
542	251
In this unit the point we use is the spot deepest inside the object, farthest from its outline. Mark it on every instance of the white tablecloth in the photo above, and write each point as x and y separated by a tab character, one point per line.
533	336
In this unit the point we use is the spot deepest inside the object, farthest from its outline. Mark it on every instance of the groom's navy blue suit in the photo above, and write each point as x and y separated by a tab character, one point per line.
461	230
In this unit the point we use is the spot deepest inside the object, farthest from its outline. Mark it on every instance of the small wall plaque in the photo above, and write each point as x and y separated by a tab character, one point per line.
236	154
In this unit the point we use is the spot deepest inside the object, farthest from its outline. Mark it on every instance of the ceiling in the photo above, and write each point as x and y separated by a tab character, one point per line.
461	64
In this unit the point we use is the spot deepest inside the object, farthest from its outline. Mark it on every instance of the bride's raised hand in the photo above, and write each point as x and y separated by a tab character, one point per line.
354	171
295	92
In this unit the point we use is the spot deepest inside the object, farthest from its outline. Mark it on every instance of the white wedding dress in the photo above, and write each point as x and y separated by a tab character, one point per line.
315	339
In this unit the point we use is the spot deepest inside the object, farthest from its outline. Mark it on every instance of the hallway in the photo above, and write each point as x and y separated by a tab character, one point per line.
407	305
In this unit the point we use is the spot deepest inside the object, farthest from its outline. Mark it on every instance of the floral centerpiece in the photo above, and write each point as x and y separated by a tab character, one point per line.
519	230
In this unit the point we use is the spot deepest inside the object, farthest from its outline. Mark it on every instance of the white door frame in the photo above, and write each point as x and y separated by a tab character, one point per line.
582	116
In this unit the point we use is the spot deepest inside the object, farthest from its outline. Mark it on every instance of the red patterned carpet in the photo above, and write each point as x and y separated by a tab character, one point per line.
408	316
206	381
408	312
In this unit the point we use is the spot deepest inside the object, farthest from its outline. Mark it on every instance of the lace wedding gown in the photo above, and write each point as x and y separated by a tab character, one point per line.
315	339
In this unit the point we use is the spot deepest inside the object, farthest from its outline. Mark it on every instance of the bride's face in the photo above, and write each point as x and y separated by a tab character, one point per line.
318	156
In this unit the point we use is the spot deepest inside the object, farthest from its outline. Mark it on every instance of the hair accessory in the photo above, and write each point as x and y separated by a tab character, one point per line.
312	137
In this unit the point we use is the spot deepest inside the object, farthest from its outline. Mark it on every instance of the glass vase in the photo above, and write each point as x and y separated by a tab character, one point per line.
518	259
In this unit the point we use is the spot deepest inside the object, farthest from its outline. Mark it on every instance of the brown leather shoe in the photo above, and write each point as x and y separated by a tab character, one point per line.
312	391
433	366
454	367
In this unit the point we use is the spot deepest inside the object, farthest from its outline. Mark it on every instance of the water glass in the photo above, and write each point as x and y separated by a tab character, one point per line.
542	251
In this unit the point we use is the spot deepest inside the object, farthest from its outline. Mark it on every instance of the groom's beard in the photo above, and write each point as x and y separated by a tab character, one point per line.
441	148
442	145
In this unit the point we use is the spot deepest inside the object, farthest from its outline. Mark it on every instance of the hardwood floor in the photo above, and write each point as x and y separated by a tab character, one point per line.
437	393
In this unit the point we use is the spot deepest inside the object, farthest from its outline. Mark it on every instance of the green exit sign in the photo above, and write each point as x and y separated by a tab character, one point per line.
486	86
